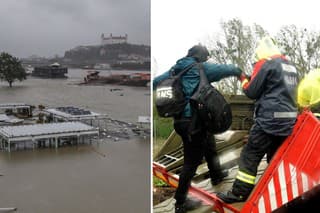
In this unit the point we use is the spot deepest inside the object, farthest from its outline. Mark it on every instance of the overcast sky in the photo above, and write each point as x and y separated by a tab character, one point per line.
179	24
49	27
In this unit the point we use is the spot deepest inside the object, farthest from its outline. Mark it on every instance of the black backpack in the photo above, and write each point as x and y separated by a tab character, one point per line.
212	110
170	99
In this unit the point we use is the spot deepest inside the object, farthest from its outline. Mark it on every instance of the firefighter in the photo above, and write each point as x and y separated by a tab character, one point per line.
273	87
309	92
201	144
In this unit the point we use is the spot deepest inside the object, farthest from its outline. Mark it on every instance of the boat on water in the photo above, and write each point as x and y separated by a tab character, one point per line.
54	70
133	79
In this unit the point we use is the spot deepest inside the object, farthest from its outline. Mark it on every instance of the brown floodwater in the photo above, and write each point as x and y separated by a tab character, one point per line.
109	176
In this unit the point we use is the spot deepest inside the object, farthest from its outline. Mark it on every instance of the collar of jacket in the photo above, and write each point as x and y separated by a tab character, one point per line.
261	62
273	57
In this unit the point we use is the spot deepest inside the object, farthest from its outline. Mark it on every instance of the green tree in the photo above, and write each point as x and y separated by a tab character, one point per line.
11	69
235	45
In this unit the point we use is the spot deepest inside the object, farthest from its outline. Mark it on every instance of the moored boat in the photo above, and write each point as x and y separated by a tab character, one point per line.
133	79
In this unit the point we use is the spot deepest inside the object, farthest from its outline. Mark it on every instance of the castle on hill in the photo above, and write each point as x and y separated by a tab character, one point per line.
113	39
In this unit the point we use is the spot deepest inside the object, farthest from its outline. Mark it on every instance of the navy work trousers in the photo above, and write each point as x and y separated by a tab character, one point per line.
259	144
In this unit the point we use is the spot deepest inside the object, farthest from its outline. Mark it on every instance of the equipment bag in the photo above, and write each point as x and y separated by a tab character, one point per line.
170	100
211	108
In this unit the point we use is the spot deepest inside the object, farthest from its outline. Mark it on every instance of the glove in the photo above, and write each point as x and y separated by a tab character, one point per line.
243	77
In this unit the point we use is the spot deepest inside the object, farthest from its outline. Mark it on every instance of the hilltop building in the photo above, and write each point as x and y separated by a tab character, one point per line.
113	39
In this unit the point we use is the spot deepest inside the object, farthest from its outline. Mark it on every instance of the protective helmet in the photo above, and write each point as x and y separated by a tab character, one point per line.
199	52
265	49
309	90
317	70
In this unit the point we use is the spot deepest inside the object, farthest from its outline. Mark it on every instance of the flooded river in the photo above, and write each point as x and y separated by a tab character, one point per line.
110	176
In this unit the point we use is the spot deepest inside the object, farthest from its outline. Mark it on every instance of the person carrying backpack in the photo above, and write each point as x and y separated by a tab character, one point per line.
201	144
273	85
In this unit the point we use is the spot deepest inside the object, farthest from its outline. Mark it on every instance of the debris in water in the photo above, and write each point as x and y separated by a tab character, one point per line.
115	89
99	153
8	209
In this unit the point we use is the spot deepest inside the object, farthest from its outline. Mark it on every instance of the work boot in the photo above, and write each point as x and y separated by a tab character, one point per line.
229	197
217	179
188	205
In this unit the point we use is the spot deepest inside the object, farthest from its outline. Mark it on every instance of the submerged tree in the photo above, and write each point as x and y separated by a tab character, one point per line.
235	45
11	69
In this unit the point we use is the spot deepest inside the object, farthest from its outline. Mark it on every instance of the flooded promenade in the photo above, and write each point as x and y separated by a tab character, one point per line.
110	176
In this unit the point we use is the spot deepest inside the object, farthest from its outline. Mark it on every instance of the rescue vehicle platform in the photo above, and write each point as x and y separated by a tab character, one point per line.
287	183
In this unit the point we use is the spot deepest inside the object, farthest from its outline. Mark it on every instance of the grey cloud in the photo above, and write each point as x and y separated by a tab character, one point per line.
48	27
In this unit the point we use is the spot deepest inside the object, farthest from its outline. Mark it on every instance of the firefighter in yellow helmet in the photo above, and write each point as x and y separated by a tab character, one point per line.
273	86
309	92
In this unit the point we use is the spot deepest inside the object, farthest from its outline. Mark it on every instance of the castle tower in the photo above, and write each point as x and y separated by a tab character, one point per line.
113	39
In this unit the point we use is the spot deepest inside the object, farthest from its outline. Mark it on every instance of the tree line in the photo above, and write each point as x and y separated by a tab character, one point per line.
236	43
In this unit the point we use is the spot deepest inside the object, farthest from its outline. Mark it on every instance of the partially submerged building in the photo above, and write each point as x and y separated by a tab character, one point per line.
71	113
54	70
63	122
51	134
108	127
20	110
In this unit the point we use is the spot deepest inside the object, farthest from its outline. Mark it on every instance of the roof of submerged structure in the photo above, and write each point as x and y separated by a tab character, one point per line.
74	113
14	105
48	130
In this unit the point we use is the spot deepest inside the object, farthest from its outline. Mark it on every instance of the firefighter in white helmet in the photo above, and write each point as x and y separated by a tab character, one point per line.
273	86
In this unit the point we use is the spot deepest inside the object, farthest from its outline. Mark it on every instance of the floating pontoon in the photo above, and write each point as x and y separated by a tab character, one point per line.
54	70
